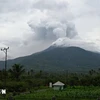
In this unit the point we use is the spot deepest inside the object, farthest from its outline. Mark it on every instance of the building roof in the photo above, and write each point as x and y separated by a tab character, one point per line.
59	83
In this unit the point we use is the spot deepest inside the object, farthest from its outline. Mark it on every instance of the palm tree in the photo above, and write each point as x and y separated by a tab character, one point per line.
16	71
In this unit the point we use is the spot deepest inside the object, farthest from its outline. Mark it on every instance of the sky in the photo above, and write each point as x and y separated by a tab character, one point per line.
29	26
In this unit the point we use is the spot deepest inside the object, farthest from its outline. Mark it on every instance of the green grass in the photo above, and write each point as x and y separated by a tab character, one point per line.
70	93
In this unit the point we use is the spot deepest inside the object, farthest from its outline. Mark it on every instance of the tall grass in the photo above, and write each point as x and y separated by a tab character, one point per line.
69	93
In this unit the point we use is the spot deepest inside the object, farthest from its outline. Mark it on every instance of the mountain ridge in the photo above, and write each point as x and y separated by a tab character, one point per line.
55	59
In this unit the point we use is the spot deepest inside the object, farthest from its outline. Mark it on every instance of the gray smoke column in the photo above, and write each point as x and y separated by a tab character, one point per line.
71	31
47	30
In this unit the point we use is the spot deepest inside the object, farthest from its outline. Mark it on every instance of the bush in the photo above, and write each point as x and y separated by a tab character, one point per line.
17	86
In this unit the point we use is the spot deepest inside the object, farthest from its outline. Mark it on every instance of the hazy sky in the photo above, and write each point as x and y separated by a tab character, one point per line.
28	26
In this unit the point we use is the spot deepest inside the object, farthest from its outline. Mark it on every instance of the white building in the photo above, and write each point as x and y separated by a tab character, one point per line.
58	85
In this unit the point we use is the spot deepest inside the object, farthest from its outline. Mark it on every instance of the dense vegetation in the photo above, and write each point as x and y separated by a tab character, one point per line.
70	93
78	85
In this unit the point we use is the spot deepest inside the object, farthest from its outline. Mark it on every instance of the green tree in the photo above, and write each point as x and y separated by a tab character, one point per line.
16	71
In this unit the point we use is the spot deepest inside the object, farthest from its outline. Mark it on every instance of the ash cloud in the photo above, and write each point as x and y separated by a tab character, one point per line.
53	20
51	31
28	24
71	31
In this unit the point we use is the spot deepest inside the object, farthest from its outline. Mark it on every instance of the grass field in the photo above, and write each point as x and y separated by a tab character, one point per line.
69	93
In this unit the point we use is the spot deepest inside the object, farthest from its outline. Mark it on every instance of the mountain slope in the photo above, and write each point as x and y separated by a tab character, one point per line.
60	59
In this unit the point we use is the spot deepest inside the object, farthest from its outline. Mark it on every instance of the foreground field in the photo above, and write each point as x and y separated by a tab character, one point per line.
69	93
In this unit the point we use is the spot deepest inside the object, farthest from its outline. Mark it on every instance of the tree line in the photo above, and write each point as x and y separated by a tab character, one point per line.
20	80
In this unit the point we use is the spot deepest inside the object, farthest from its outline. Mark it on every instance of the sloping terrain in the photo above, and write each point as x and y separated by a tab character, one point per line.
59	59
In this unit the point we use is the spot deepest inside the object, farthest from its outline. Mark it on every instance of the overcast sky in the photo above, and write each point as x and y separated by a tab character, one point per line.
28	26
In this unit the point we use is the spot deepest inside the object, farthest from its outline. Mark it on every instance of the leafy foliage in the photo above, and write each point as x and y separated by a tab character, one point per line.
79	86
16	71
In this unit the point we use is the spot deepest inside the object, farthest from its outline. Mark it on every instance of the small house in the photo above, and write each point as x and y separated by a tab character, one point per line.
58	86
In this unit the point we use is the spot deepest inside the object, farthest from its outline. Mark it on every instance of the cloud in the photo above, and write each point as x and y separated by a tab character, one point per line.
50	4
87	19
25	25
77	42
